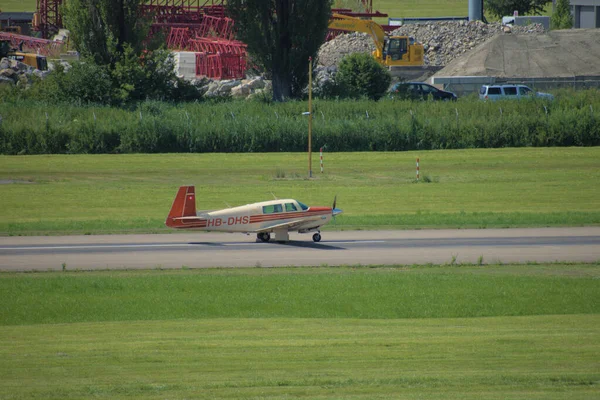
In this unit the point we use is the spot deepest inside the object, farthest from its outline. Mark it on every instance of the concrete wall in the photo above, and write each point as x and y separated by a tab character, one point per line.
185	64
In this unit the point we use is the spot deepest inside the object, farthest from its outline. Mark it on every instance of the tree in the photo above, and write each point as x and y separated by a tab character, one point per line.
561	16
281	35
501	8
100	29
362	76
113	34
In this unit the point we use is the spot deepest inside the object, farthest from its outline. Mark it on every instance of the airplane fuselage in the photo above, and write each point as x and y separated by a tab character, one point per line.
274	216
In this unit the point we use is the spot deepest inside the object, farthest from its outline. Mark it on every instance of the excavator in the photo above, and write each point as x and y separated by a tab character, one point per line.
391	51
35	60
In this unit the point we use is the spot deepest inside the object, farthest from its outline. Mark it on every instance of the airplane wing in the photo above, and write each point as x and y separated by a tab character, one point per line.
290	225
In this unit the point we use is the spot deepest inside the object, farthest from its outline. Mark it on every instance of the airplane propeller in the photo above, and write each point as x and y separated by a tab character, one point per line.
335	211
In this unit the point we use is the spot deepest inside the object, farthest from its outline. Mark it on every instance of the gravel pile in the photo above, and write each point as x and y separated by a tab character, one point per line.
14	72
443	41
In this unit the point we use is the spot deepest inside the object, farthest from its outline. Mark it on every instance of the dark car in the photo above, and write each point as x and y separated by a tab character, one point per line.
420	91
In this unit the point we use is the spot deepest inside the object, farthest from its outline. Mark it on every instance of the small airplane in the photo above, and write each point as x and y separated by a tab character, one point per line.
274	216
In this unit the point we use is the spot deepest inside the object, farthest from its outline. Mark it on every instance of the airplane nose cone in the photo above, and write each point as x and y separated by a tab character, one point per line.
336	211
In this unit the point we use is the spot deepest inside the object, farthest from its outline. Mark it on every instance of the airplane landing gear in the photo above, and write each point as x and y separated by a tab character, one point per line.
317	237
263	236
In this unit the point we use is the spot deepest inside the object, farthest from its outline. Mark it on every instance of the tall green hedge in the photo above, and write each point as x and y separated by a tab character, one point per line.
28	127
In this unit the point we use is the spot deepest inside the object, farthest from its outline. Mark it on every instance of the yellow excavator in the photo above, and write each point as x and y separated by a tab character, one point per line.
391	51
32	59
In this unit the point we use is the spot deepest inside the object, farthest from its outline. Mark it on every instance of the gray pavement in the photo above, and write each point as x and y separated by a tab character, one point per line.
202	250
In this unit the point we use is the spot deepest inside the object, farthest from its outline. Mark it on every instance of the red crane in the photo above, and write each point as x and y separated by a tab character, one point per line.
47	19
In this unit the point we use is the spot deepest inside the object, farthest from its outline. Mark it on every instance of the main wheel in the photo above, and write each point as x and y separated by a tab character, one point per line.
264	236
317	237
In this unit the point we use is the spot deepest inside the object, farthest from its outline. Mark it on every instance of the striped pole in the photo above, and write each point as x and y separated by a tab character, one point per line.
321	155
417	170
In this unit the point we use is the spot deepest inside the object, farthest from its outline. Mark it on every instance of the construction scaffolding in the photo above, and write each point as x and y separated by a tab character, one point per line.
36	45
47	19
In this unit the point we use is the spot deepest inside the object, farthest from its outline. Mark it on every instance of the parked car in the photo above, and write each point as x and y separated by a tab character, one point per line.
420	91
515	92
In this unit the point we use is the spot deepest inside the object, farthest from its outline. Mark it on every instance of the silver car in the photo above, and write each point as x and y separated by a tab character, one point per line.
506	92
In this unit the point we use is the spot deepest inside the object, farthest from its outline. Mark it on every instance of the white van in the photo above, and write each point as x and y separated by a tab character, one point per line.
505	92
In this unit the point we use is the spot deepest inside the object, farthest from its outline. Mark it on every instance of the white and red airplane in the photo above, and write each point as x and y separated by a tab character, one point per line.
274	216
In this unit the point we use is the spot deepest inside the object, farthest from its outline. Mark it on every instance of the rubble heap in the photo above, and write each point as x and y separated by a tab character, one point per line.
443	41
14	72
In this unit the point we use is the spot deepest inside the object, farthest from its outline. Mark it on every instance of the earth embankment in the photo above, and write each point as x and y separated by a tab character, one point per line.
562	53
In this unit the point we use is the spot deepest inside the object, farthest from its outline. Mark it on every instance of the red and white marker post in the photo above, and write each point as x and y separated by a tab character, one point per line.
321	156
417	170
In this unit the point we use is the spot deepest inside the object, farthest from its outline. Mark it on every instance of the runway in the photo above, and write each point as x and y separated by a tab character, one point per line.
203	250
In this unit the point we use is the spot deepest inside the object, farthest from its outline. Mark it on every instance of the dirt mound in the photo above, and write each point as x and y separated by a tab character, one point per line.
443	41
563	53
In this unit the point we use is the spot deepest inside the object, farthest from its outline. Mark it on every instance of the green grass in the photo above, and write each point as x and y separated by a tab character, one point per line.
422	8
387	293
467	332
469	188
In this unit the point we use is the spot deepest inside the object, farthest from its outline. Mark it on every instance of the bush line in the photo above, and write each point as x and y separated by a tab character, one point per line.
29	127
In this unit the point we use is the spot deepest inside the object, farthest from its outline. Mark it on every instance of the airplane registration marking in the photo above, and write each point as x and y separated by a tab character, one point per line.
244	220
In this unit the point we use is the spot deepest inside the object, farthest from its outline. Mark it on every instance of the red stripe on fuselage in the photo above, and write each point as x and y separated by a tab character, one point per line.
313	211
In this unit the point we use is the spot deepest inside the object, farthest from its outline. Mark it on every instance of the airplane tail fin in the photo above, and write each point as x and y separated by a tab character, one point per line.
183	206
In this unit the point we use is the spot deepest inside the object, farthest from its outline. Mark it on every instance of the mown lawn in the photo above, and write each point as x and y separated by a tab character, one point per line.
458	188
429	332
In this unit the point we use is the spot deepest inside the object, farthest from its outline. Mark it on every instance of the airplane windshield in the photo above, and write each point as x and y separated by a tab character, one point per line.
302	206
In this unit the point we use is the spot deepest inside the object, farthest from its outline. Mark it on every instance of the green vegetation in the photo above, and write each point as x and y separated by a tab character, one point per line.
500	8
281	37
30	127
362	76
468	188
385	293
562	17
406	8
360	333
422	8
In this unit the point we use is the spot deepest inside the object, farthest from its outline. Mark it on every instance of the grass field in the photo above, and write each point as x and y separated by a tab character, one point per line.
395	8
467	188
497	332
413	8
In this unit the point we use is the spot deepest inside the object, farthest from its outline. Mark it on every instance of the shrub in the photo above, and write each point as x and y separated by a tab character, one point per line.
362	76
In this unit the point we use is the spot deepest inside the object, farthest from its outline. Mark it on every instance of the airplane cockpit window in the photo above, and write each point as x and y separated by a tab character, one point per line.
302	206
290	207
273	208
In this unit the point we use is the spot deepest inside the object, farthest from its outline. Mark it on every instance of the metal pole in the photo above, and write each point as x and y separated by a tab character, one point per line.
310	117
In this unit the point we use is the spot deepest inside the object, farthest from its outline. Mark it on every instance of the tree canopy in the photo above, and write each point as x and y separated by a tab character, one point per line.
281	36
113	36
561	17
360	75
501	8
100	29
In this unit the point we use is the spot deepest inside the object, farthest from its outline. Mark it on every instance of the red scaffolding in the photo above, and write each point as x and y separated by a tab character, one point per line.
47	19
40	46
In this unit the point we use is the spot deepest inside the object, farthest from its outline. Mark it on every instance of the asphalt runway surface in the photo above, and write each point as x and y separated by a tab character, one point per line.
203	250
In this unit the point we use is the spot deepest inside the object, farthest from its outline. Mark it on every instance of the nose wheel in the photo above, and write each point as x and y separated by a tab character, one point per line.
263	236
317	237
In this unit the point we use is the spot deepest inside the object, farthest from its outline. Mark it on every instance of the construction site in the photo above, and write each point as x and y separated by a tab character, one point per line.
197	30
202	39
